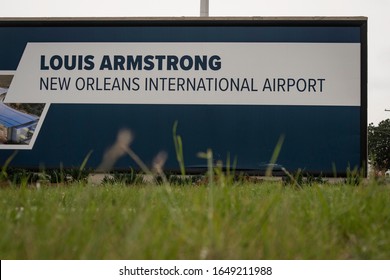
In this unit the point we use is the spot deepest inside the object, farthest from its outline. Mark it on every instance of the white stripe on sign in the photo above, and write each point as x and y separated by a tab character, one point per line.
316	74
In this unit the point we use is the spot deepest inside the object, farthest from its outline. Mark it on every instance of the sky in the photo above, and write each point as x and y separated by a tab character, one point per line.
377	12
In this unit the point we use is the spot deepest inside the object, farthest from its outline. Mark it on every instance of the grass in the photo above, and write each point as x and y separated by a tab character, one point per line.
220	220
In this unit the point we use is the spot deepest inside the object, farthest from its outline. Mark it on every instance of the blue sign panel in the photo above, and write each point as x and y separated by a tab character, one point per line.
233	86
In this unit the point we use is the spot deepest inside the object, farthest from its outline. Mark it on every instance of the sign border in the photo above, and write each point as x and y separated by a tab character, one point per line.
360	22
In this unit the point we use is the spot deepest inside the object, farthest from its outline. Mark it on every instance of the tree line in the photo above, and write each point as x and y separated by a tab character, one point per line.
379	145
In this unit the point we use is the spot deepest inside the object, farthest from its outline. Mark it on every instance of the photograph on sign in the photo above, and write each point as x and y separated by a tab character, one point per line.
19	122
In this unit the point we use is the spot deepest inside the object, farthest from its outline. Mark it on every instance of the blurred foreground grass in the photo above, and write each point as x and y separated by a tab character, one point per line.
266	220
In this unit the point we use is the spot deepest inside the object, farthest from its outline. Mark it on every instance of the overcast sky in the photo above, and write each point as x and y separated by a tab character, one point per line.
377	12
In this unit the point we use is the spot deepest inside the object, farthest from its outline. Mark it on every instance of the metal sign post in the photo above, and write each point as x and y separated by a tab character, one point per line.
204	8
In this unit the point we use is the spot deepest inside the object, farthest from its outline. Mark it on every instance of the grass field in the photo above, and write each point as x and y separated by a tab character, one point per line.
239	220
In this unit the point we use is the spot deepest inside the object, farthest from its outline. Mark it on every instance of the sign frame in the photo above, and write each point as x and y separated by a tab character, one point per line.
245	22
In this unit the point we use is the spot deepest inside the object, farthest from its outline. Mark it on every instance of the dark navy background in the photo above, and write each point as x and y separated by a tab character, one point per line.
316	137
